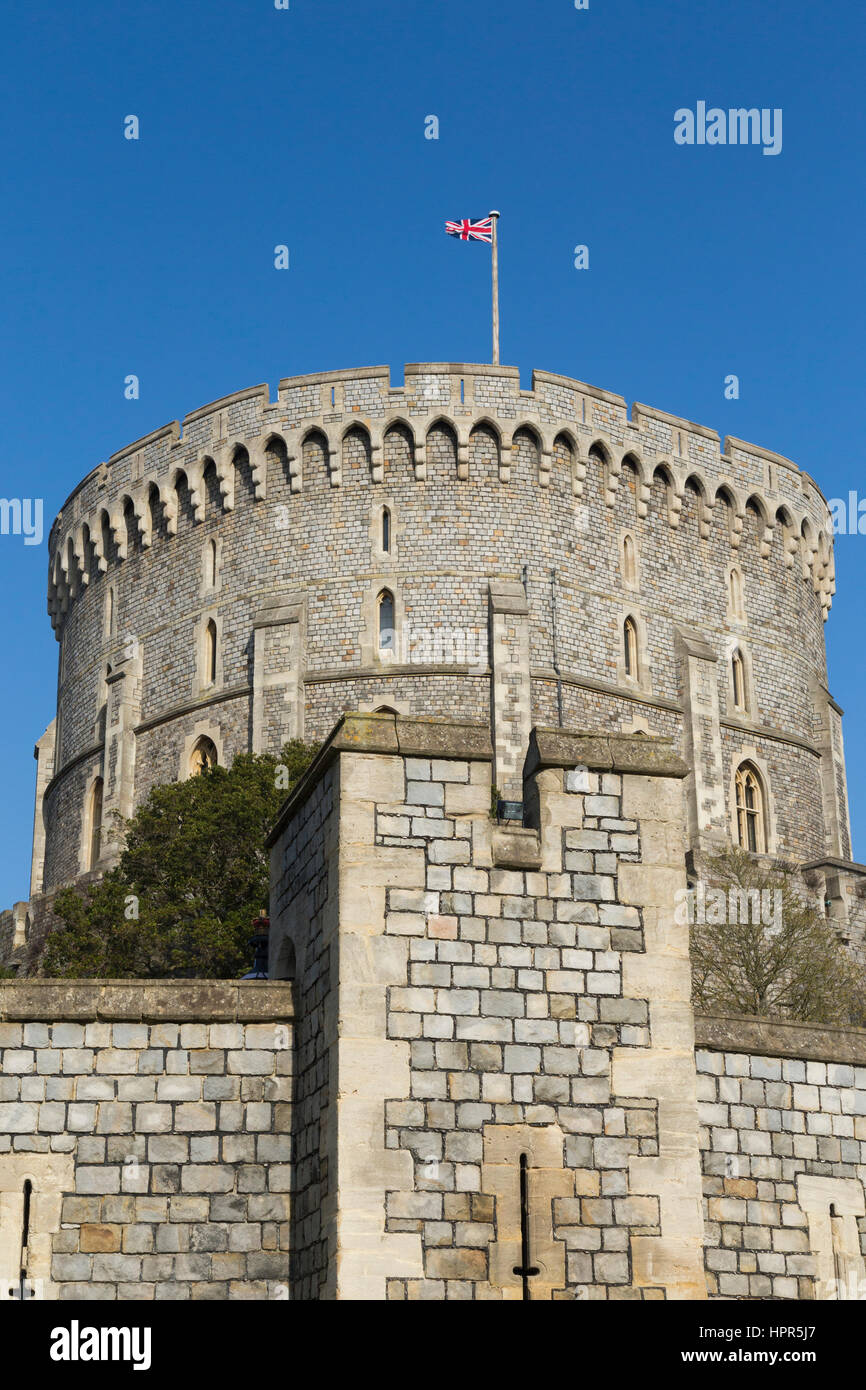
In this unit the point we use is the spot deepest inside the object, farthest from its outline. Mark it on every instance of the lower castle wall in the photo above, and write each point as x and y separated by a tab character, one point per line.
153	1122
783	1138
468	995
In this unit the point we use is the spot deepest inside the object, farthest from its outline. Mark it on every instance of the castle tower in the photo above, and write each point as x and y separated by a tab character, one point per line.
459	548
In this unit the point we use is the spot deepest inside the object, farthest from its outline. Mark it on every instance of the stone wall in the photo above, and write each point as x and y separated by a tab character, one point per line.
152	1121
490	489
485	998
783	1149
491	993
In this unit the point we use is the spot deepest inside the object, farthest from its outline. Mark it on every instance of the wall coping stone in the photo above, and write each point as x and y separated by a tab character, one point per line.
828	862
394	735
632	753
138	1001
775	1037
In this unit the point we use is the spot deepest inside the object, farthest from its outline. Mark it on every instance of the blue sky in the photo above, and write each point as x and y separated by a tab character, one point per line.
306	127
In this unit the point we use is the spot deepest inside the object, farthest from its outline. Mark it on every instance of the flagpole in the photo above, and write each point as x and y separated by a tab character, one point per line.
494	217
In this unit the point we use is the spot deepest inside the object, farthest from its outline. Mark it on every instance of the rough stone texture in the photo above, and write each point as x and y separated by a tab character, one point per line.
783	1144
155	1130
487	486
472	1012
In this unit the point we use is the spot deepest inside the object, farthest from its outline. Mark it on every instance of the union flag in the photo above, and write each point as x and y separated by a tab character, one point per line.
467	230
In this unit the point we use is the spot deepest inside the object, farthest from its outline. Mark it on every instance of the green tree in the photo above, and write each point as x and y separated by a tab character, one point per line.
192	875
783	962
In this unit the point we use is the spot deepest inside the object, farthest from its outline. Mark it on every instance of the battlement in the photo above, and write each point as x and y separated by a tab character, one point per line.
592	426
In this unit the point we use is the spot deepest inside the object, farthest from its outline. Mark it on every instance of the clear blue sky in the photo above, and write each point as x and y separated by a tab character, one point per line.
306	127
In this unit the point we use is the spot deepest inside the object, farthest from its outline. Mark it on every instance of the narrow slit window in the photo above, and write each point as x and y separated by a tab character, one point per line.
95	848
738	676
210	652
386	621
629	564
629	643
386	530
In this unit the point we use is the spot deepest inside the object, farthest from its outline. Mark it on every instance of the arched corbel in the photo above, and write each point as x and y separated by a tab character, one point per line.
258	472
705	515
462	452
194	474
224	464
419	454
117	527
169	507
612	475
80	552
807	556
545	460
676	495
141	512
377	461
295	461
335	464
98	548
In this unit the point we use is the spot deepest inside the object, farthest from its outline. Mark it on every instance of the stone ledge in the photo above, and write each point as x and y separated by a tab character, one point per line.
508	596
139	1001
631	753
774	1037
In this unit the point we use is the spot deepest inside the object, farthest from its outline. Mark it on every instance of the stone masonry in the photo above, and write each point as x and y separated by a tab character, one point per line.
508	512
486	993
152	1122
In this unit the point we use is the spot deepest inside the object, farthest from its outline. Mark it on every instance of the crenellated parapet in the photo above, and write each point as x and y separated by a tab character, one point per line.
572	425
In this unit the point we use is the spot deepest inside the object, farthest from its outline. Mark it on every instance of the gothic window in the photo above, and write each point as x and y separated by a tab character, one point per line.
203	756
386	530
629	647
629	561
386	621
95	818
738	677
751	827
210	652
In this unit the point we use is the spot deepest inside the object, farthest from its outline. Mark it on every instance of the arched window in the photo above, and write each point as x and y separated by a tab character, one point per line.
751	827
210	652
386	621
738	676
203	756
735	592
386	530
211	563
629	561
95	847
629	647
